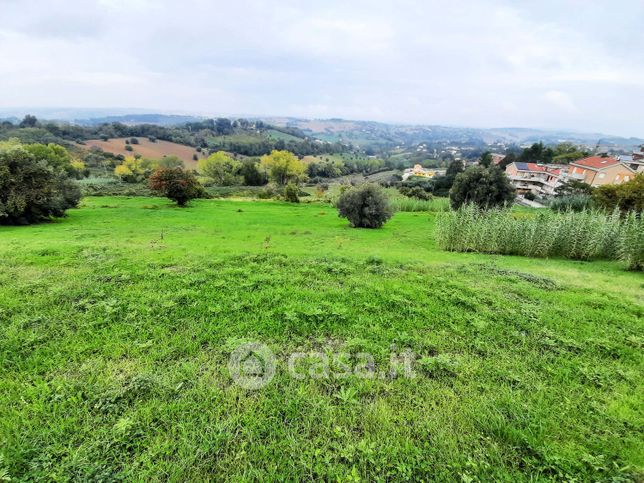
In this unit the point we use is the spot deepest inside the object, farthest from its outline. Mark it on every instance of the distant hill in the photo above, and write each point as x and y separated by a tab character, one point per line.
358	133
134	119
370	133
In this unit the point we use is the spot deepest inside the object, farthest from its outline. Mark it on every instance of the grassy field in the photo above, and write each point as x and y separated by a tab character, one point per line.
117	324
148	149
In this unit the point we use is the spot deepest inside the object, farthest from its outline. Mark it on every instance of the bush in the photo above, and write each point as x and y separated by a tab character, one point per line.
128	148
365	206
291	192
485	187
251	173
176	184
31	189
581	235
627	196
415	192
435	205
134	141
571	203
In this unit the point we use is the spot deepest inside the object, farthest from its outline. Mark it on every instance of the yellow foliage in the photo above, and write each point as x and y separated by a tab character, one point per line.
77	165
283	166
122	170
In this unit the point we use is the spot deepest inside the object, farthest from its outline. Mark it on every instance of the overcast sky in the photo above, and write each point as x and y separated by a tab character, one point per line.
575	64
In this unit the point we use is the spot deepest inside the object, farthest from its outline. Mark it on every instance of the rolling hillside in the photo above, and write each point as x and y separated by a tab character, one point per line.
148	149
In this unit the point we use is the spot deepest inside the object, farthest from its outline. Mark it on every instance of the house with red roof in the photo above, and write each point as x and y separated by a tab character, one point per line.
538	179
599	170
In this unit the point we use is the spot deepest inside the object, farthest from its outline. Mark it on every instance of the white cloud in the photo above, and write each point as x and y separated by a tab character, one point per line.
535	63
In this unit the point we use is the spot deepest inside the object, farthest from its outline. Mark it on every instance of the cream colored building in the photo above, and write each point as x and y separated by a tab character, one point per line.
598	171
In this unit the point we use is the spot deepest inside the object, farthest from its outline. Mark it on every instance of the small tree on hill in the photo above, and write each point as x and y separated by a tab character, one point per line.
291	193
282	167
176	184
365	206
33	188
485	187
222	168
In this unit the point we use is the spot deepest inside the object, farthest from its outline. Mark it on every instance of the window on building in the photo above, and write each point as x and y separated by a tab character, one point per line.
602	175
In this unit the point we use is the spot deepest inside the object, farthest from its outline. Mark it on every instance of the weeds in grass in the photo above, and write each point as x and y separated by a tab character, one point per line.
582	235
435	205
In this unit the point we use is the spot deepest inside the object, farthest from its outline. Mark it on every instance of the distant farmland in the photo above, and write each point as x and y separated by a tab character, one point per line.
148	149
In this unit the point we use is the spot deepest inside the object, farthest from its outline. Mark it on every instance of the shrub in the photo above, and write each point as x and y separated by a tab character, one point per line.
365	206
577	202
627	196
282	167
485	187
31	189
415	192
251	173
134	141
222	168
291	192
413	204
128	148
176	184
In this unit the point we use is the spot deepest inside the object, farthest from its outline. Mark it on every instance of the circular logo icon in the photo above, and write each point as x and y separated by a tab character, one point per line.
252	365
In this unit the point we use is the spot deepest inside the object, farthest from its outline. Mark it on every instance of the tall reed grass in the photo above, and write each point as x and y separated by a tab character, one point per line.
435	205
582	235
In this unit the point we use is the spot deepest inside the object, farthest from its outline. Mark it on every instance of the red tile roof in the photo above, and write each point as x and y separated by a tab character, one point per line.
596	162
529	167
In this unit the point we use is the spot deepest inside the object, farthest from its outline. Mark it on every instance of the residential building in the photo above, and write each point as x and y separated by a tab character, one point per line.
538	179
598	171
418	170
634	161
497	158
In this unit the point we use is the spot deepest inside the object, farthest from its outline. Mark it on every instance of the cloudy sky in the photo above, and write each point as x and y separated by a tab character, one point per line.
575	64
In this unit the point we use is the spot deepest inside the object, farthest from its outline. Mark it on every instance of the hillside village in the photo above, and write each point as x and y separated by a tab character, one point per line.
543	179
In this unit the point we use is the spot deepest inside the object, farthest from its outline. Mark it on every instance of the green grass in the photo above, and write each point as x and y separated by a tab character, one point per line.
117	322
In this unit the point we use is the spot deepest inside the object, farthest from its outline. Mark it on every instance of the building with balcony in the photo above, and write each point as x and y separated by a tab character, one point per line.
538	179
598	171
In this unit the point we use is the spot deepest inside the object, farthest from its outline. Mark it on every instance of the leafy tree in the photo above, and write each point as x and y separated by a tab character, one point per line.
365	206
251	173
221	168
573	187
282	167
325	169
169	162
627	196
223	126
176	184
415	192
442	184
485	187
31	189
55	155
510	158
486	159
537	153
29	121
135	169
291	193
565	153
